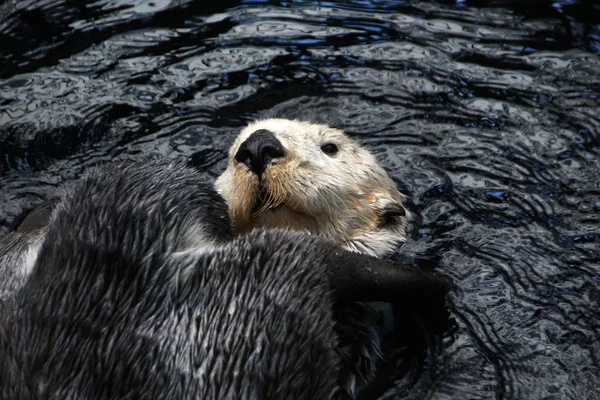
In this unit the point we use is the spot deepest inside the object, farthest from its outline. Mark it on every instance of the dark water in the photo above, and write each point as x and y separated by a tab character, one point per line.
489	118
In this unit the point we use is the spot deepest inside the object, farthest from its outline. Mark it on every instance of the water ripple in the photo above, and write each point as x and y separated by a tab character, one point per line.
485	115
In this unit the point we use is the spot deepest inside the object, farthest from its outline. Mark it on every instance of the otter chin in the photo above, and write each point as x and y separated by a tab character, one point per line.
310	177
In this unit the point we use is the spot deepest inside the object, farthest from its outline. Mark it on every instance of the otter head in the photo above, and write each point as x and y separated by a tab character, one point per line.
304	176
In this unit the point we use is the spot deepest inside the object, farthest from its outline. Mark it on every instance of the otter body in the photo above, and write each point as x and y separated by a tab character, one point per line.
140	290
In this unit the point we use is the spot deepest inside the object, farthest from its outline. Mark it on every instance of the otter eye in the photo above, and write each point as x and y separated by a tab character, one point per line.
329	149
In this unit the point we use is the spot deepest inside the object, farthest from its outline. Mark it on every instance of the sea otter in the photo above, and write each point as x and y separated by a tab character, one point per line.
310	177
141	290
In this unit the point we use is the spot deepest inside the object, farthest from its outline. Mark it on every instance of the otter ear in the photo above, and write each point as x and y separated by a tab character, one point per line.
388	214
358	277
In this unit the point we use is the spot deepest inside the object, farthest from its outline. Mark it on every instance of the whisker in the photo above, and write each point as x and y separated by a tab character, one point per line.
273	199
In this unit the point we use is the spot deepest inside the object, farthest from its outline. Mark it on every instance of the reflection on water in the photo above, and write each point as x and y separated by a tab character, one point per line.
487	117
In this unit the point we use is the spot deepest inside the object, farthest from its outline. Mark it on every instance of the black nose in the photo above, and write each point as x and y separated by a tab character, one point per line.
258	150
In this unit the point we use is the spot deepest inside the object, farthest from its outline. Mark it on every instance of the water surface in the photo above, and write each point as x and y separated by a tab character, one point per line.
488	118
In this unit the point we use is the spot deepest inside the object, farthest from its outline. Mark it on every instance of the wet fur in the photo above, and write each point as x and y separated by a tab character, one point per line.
118	305
140	291
19	249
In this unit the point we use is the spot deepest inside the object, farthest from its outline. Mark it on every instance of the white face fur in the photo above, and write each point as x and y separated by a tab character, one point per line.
324	183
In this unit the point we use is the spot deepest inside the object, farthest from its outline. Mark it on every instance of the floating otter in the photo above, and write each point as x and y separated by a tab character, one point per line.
304	176
310	177
140	290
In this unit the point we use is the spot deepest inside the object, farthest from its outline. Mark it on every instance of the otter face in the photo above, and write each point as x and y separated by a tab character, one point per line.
304	176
